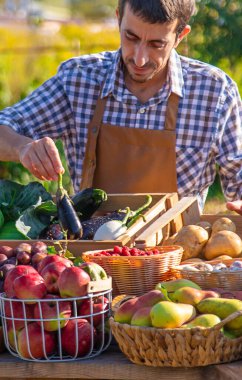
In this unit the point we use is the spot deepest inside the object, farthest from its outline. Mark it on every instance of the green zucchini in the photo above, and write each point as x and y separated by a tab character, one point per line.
87	201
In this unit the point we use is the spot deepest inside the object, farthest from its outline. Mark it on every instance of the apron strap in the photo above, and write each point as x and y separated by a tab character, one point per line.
171	112
89	162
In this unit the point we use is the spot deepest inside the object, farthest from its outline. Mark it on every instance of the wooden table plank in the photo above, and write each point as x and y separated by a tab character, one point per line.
111	364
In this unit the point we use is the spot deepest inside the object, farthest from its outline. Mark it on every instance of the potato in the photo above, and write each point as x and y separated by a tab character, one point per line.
206	225
223	243
191	238
223	224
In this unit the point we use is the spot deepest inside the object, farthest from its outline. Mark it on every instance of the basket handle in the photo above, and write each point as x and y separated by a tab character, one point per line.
230	318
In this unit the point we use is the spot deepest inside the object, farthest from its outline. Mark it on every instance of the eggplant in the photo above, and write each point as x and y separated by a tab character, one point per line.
87	201
67	215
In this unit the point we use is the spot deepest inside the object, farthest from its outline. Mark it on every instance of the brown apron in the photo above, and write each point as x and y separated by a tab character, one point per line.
130	160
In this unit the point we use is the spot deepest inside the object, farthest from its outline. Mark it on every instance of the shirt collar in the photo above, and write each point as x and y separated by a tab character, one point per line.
114	82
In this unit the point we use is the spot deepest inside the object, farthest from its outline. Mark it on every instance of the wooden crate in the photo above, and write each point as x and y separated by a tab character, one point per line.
184	212
161	202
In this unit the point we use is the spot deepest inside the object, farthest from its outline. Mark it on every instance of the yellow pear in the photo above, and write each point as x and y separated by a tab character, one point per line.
203	320
168	314
173	285
191	296
222	307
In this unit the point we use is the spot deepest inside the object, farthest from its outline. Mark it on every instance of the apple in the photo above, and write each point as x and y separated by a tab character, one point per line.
3	258
16	310
53	258
40	341
6	250
5	268
76	337
12	274
23	257
98	304
54	312
39	246
51	273
73	282
23	247
37	258
29	286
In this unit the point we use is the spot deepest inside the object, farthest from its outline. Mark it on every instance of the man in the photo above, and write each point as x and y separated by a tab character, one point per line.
141	119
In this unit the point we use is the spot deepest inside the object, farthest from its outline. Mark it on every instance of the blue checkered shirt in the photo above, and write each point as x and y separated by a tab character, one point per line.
208	124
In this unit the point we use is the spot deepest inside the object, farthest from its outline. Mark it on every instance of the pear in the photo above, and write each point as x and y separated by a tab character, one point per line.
128	308
191	296
168	314
203	320
142	317
222	307
173	285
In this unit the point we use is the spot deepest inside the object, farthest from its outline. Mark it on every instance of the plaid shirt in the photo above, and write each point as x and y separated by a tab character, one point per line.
208	125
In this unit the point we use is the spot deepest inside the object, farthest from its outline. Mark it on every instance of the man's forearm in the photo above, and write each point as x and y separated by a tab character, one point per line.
10	144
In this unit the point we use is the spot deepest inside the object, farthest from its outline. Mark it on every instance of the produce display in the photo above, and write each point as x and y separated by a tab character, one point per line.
47	311
30	212
208	241
182	304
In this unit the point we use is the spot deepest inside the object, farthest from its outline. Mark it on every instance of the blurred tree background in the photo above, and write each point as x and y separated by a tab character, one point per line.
34	40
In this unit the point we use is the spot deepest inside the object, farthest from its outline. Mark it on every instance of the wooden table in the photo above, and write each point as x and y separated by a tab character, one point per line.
111	364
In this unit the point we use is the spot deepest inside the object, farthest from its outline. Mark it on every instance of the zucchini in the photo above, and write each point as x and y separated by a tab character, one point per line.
87	201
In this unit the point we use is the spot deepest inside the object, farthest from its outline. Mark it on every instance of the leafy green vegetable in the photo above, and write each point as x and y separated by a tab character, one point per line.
10	232
35	219
16	198
1	219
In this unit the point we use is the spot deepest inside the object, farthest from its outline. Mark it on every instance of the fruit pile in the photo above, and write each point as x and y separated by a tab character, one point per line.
127	251
46	307
180	303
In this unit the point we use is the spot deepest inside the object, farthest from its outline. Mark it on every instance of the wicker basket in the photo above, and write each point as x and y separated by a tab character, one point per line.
136	275
179	347
208	280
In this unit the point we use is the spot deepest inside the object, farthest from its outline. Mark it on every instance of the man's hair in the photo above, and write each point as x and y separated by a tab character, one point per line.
160	11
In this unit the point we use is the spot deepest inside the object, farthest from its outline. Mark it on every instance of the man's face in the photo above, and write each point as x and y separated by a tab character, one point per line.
146	47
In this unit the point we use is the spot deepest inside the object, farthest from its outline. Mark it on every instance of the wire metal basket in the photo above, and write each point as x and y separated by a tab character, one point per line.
58	329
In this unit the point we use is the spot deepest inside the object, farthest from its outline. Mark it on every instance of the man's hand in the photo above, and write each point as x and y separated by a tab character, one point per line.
41	158
235	206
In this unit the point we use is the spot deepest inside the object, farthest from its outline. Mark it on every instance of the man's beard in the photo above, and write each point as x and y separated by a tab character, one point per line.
141	80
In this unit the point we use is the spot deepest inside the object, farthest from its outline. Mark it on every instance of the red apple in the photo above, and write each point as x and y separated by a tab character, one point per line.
99	305
29	287
12	274
37	258
76	337
51	259
6	250
32	333
39	246
3	258
16	310
54	312
23	247
23	257
51	273
73	282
